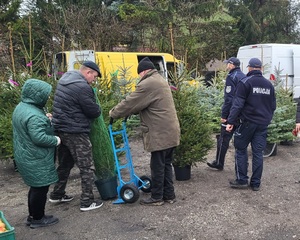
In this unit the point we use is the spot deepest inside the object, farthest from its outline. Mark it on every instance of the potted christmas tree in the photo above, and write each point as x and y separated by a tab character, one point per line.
104	162
195	139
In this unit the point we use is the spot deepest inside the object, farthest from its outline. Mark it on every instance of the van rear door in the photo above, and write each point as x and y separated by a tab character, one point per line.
76	58
159	63
70	60
260	51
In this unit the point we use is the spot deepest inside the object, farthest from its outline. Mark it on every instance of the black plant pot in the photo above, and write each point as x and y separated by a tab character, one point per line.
107	187
270	150
287	142
182	173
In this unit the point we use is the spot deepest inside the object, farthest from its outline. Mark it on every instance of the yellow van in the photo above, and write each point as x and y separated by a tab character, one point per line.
114	63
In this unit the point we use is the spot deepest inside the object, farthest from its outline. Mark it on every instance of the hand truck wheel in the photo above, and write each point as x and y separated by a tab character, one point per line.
129	193
146	184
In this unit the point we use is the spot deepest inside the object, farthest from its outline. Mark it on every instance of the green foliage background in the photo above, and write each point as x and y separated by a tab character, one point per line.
284	119
10	96
194	31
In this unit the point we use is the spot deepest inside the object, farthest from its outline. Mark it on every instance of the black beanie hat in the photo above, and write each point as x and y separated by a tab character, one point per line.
145	64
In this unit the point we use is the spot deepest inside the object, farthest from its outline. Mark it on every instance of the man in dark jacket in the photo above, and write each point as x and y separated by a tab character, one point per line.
234	76
254	104
74	108
153	100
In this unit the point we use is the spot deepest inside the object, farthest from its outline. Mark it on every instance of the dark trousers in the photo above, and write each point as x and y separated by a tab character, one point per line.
75	149
256	135
222	145
37	197
162	174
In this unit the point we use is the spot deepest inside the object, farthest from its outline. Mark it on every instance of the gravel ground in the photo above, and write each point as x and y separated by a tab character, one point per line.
207	208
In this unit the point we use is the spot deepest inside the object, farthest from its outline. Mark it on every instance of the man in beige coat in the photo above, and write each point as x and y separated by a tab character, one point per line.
153	100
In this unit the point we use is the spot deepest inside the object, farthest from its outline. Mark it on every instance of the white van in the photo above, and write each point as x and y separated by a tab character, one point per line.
282	57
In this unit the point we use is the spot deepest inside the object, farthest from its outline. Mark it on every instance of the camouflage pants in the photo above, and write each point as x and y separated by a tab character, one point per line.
75	149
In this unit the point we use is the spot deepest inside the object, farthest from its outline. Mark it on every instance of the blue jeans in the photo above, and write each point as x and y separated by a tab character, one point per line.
256	135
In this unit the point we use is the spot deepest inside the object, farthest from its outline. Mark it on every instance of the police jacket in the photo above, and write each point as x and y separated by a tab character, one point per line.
232	79
153	100
74	105
34	142
254	100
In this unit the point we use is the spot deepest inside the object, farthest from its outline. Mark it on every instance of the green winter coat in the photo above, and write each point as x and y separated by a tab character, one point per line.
34	142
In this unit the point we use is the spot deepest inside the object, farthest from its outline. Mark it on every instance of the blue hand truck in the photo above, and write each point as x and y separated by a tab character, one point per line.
128	186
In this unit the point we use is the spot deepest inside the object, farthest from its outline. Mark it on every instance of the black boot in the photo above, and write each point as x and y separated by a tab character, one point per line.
215	165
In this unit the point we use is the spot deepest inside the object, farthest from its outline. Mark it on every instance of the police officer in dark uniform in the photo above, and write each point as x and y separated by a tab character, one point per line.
234	76
254	104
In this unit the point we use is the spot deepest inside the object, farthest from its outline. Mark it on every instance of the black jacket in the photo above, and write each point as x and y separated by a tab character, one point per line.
254	100
74	104
232	79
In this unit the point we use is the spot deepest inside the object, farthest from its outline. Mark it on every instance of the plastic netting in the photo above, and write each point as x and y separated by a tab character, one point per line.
101	147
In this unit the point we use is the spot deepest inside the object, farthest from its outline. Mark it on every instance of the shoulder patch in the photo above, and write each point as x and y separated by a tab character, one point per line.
245	79
228	89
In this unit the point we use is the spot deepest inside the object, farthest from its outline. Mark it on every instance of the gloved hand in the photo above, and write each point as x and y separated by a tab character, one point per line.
110	112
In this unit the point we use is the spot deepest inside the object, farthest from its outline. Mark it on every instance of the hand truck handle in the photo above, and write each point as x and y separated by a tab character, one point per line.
111	120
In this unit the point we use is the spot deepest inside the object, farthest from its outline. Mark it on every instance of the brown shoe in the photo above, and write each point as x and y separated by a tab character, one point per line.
152	202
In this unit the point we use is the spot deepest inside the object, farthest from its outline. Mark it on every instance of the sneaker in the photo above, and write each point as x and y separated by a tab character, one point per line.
214	165
64	198
30	218
171	201
255	188
44	222
93	206
237	184
151	201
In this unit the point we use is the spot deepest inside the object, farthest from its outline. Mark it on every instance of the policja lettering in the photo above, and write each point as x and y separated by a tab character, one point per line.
262	90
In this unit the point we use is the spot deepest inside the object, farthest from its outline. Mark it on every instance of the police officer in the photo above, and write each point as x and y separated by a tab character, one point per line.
234	76
254	104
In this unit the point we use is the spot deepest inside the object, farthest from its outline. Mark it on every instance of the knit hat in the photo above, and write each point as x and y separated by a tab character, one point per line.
235	61
92	65
254	63
145	64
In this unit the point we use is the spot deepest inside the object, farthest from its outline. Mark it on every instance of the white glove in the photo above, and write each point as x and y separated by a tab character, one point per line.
58	140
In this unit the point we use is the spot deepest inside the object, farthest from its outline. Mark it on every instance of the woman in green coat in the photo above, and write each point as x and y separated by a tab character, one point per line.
34	149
